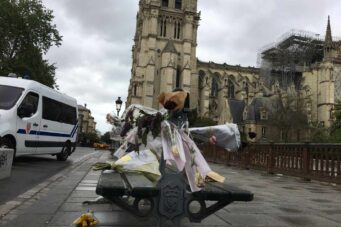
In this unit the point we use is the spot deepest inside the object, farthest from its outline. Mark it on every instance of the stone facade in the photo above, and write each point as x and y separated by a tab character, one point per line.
164	57
217	84
86	122
164	51
322	83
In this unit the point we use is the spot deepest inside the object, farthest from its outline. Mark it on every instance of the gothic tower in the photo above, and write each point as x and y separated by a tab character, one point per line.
329	47
326	81
164	50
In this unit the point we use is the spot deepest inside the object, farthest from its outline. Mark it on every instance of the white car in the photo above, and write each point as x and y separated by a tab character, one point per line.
36	119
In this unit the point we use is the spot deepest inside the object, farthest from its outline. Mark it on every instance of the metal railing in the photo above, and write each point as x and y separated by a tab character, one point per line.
310	161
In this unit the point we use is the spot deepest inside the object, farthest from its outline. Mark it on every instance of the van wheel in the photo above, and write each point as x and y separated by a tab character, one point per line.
64	154
7	143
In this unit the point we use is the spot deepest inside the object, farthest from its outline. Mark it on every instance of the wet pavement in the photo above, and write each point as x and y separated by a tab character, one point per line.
278	201
31	170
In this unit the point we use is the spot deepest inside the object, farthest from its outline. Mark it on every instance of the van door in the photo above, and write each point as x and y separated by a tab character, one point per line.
28	124
51	135
69	120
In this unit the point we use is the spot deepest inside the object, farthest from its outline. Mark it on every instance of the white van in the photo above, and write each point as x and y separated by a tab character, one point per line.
35	119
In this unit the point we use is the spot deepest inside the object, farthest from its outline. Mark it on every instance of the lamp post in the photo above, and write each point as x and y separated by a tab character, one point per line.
118	105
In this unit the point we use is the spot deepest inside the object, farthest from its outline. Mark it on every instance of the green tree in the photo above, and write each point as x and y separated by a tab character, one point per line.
26	33
335	129
196	121
106	138
88	139
331	134
288	116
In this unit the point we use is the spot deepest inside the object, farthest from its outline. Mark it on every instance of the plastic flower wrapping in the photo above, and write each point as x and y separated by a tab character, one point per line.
149	135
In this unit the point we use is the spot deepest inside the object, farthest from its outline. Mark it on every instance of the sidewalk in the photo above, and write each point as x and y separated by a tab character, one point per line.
38	206
279	201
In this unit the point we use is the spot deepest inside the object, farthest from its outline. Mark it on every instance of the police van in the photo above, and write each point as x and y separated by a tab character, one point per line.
36	119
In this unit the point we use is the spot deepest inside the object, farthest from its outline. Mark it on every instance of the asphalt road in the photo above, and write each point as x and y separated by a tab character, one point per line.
29	171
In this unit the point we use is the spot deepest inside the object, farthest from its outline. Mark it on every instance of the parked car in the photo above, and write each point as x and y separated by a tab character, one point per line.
101	146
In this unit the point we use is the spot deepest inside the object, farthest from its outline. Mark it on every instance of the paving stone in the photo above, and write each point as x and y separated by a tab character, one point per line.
105	219
240	219
29	221
84	194
212	220
85	207
278	201
306	220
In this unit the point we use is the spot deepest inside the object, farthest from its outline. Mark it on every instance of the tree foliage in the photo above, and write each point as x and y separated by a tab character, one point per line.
88	139
26	33
332	134
106	138
196	121
289	116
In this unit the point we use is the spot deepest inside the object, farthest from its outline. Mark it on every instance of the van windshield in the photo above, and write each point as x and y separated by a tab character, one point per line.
9	96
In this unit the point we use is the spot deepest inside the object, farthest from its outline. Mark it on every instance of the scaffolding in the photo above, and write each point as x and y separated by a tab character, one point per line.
285	60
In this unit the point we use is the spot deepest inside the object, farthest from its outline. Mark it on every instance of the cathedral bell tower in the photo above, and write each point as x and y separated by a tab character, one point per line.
164	50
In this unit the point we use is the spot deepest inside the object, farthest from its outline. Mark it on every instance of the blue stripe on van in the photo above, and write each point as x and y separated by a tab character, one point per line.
74	131
21	131
54	134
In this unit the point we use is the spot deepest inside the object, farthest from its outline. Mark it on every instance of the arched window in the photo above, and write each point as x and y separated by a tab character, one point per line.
163	27
164	3
177	29
246	87
177	80
178	4
245	115
230	89
264	132
214	87
201	79
135	90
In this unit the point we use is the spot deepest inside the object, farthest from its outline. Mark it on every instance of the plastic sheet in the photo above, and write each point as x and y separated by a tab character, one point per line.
227	135
143	161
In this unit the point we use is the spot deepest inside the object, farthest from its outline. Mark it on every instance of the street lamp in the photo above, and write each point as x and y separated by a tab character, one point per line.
118	105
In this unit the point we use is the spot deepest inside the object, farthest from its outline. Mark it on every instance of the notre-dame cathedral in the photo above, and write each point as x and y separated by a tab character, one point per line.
294	88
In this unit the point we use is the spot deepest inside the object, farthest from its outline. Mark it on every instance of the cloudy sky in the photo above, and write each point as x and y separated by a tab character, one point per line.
94	61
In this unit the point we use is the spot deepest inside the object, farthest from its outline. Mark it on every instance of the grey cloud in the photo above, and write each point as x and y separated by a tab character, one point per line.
244	27
114	20
94	60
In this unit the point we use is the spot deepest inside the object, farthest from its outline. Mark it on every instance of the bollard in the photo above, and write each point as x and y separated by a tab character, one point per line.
6	160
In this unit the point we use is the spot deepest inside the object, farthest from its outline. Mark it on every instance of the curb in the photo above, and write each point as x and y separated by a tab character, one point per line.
9	206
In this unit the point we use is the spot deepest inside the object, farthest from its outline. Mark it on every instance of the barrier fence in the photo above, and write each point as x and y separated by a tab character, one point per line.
310	161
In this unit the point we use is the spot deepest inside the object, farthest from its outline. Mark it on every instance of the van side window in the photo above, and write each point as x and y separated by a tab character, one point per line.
32	100
69	114
60	112
51	109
